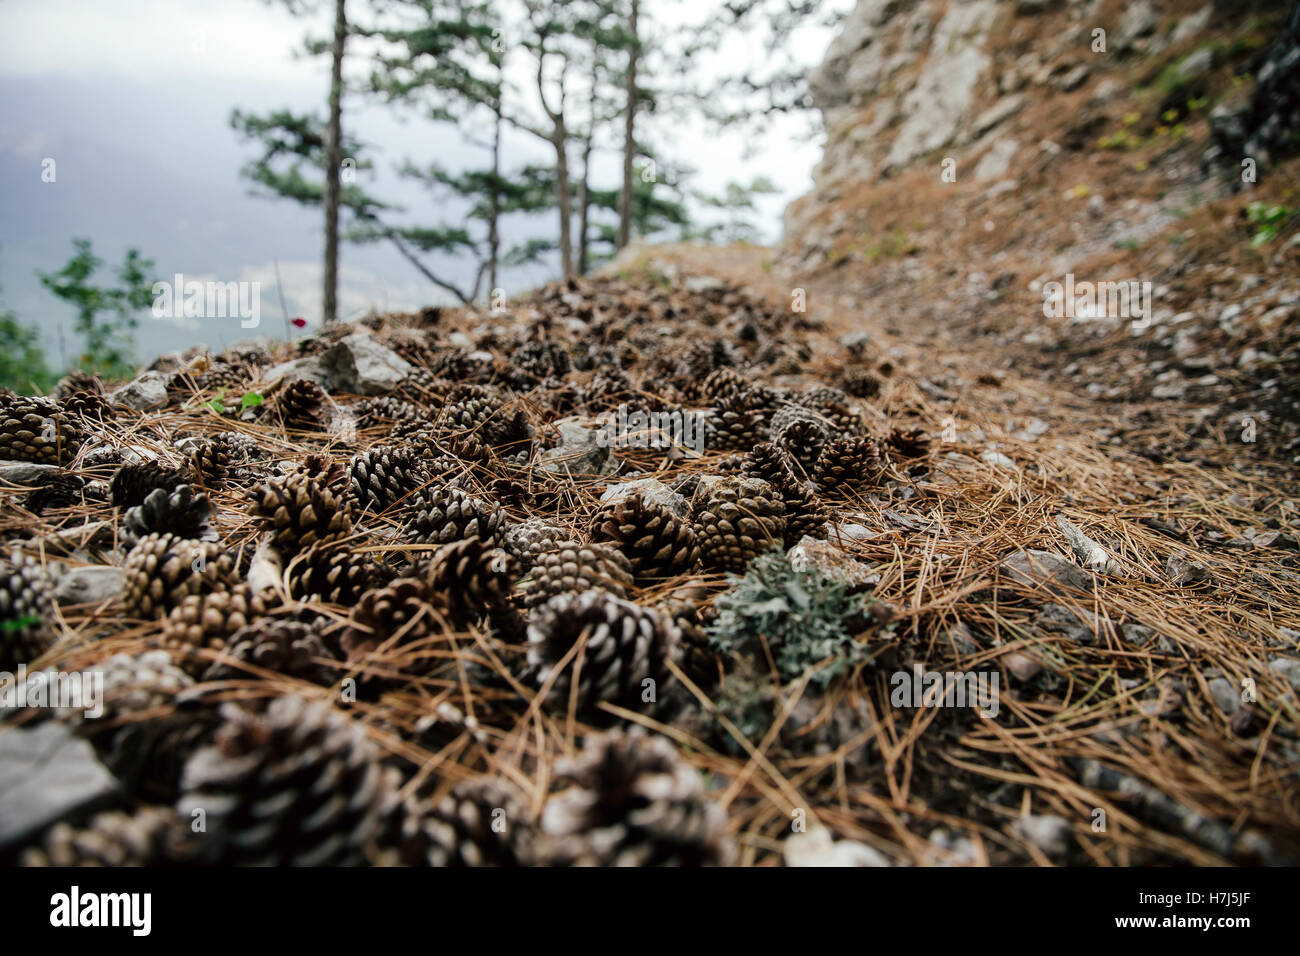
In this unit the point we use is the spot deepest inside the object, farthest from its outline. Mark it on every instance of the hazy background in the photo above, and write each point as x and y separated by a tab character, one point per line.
132	100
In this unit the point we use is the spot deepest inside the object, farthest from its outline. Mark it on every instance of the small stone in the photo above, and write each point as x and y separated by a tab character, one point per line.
581	451
1224	695
89	585
23	472
46	774
146	392
998	459
1289	668
652	490
1183	571
361	366
1048	832
1023	667
818	848
811	553
1045	568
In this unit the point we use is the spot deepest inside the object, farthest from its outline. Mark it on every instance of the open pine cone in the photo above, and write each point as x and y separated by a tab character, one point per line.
736	519
656	542
301	510
164	569
26	610
573	568
37	429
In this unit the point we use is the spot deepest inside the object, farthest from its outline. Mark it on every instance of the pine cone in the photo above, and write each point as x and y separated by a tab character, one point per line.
443	515
59	489
909	443
300	786
163	569
143	838
301	510
134	482
573	568
860	383
736	519
183	512
693	653
722	385
533	537
482	822
301	405
625	645
26	611
37	429
333	575
384	411
769	462
629	800
731	426
211	462
207	621
291	648
230	377
850	465
83	395
802	437
804	512
470	577
401	609
656	542
385	475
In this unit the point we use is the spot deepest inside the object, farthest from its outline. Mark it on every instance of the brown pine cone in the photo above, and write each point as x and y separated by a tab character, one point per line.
442	515
134	482
59	489
301	405
301	510
909	443
143	838
207	621
384	411
470	577
534	537
482	822
26	611
770	462
162	570
333	575
83	395
183	512
656	542
804	512
732	426
573	568
736	519
37	429
301	785
801	436
851	465
288	647
402	609
628	799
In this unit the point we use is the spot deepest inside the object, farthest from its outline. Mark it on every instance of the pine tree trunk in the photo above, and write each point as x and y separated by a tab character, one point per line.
333	163
562	197
629	135
494	214
584	206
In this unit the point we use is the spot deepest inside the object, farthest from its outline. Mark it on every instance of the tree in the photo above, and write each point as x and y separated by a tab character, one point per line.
629	129
109	342
736	202
23	367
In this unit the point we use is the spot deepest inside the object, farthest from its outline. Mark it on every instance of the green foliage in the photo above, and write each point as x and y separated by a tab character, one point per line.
250	400
805	617
1269	221
22	360
108	340
737	203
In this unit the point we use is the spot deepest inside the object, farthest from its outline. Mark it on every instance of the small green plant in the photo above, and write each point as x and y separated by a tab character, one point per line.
250	400
22	360
1269	220
806	618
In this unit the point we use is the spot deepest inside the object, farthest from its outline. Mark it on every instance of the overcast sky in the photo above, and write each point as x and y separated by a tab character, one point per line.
132	99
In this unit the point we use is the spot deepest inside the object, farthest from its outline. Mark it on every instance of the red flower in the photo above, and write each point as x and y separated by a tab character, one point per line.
298	322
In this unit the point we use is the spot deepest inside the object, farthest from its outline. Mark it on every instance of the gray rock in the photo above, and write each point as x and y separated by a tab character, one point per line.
818	848
1023	667
1048	832
1044	568
1225	695
1140	18
1289	668
652	490
1139	635
858	343
46	774
23	472
1183	571
1196	63
1081	627
146	392
311	368
89	585
360	365
999	460
581	451
811	553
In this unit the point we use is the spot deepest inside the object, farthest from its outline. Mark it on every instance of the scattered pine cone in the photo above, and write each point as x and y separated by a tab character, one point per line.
59	489
909	443
573	568
851	465
736	519
134	482
26	610
482	822
37	429
629	800
287	647
333	575
162	570
443	515
301	510
143	838
182	512
300	785
470	577
529	539
625	646
207	621
301	405
656	542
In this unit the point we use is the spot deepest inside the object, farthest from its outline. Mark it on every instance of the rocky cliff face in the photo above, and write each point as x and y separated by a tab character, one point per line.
1001	87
